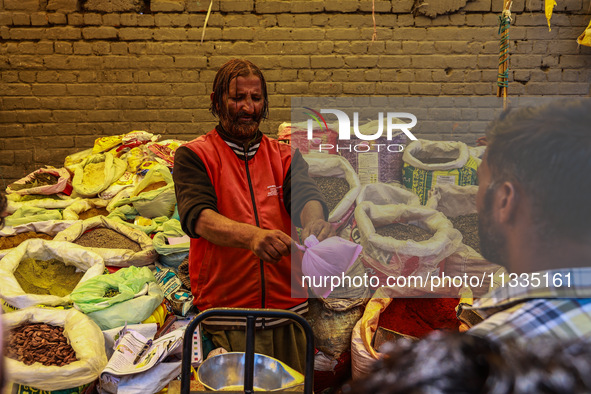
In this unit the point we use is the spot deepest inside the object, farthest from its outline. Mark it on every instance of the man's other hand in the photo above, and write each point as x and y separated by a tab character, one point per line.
271	245
319	228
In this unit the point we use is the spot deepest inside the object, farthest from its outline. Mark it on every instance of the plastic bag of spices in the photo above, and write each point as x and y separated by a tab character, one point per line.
432	239
113	242
42	251
43	181
153	196
82	334
96	173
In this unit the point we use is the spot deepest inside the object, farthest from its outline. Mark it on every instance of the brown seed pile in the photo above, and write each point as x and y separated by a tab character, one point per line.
468	226
39	342
103	237
153	186
403	232
333	189
47	277
15	240
92	212
39	179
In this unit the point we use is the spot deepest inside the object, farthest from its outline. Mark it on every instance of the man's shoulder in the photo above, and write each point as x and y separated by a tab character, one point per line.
206	138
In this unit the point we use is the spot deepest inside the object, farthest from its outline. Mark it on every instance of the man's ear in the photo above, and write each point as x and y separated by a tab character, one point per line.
507	201
211	97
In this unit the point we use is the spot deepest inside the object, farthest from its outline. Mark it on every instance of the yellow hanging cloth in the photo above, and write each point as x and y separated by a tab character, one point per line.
549	8
585	38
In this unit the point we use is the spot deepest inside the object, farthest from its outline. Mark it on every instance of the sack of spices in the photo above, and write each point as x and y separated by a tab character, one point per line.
430	163
11	237
154	196
96	173
27	214
119	245
54	201
43	181
404	240
40	272
85	208
51	370
337	182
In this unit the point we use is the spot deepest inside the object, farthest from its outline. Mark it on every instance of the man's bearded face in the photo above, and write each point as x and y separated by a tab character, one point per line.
243	107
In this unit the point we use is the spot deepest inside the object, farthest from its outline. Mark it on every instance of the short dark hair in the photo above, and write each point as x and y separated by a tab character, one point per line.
3	205
441	362
230	70
547	150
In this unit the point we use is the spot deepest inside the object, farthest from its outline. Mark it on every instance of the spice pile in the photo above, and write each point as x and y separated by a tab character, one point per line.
333	189
419	316
103	237
153	186
15	240
468	226
39	342
38	179
47	277
403	232
92	212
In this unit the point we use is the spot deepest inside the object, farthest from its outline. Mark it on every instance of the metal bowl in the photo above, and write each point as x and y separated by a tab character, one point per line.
225	372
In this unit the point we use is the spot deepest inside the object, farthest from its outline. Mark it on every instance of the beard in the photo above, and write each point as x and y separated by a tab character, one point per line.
493	243
238	127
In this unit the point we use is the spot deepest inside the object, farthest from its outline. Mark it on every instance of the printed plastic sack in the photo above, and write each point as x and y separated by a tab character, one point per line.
132	311
39	249
73	211
96	173
112	256
386	194
127	180
585	37
27	214
129	281
391	257
83	335
452	163
329	258
62	185
49	227
336	166
153	203
332	329
75	159
378	160
171	254
164	151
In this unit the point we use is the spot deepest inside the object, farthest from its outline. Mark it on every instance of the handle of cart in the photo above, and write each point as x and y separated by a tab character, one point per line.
251	315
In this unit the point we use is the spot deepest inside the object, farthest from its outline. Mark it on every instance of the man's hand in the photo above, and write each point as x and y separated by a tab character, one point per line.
271	245
319	228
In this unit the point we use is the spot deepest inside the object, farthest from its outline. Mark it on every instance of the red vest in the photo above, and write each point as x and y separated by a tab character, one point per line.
246	192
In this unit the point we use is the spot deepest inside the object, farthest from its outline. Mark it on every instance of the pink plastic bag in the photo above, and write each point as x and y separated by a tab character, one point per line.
328	259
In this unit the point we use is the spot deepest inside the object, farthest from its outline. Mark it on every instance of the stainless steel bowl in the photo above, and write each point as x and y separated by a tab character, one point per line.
225	372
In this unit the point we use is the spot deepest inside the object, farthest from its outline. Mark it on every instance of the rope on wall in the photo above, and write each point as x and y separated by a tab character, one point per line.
503	75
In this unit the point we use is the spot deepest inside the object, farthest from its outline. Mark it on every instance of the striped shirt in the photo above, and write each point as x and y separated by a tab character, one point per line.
559	307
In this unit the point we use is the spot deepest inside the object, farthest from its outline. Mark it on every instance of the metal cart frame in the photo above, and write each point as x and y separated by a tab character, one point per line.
251	315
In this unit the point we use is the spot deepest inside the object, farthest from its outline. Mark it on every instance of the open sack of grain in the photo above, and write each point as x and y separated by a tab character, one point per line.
337	182
430	163
458	203
44	181
13	236
119	245
40	272
404	240
68	351
97	172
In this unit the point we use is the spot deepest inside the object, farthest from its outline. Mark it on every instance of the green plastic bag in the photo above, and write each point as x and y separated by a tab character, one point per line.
27	214
90	296
126	212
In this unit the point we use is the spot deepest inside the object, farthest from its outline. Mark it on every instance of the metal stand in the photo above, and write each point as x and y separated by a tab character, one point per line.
251	315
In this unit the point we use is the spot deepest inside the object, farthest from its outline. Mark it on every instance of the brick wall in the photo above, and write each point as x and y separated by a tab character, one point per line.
73	70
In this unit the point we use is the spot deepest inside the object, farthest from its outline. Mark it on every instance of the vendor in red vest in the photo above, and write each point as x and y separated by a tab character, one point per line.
239	195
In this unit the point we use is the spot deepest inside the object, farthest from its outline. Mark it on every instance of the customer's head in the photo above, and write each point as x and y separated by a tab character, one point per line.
442	363
537	163
239	97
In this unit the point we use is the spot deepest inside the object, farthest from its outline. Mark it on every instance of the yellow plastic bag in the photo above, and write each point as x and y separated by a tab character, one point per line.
585	37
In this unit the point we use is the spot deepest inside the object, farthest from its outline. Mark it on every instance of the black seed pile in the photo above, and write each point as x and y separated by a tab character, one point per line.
333	189
403	232
468	226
